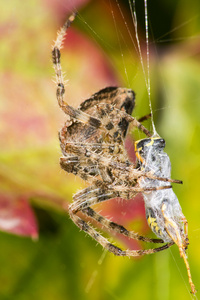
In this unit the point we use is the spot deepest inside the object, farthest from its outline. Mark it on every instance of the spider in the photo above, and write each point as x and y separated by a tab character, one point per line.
92	143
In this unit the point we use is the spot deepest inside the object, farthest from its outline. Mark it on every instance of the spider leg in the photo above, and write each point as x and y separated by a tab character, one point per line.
94	153
116	227
83	225
91	160
130	192
94	194
98	151
144	118
73	164
150	175
74	113
77	113
137	124
70	164
99	155
91	195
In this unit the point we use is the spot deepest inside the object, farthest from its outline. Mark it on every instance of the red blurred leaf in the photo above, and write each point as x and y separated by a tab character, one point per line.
17	217
98	64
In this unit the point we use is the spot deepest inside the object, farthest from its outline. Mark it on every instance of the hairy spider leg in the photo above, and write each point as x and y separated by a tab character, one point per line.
144	118
83	225
92	195
117	228
107	161
69	110
77	114
100	192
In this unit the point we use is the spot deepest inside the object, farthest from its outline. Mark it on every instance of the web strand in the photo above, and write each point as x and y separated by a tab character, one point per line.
146	73
148	63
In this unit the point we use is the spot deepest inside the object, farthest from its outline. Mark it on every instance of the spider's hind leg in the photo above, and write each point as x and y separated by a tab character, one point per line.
117	228
83	225
95	194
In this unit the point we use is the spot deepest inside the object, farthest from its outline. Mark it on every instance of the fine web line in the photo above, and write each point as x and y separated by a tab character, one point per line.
96	37
95	272
136	45
146	73
161	40
148	62
117	32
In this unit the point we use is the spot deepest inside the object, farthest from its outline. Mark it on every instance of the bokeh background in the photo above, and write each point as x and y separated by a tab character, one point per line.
43	255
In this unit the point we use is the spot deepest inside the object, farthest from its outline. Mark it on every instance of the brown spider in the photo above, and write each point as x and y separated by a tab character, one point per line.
92	143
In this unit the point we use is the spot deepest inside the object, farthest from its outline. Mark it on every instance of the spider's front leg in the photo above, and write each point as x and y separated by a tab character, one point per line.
78	114
69	110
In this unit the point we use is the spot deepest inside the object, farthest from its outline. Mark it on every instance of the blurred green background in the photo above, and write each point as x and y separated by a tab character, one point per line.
64	263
